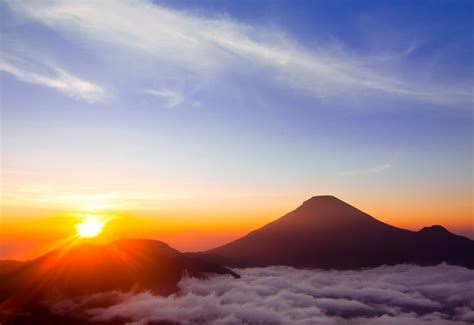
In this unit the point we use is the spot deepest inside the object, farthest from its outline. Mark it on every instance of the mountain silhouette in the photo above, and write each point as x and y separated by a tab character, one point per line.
325	232
124	265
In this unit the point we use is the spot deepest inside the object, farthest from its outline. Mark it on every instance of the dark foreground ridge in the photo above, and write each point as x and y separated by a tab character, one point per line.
124	265
325	232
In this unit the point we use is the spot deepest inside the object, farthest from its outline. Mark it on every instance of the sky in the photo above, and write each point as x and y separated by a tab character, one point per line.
195	122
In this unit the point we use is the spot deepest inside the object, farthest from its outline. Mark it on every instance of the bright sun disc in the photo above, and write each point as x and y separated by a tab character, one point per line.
89	228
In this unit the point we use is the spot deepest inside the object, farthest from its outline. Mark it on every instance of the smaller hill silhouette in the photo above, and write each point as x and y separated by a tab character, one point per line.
124	265
325	232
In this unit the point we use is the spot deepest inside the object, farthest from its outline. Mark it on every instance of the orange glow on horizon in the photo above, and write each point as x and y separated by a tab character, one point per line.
203	223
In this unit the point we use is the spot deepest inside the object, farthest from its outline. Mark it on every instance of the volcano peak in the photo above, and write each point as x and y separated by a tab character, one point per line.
321	199
326	232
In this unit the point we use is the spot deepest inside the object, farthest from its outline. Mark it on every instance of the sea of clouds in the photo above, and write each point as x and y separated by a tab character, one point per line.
402	294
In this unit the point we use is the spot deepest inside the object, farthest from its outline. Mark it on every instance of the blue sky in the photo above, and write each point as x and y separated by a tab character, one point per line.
369	100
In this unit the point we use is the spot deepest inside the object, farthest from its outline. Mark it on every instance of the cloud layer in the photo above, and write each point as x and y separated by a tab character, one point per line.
182	45
402	294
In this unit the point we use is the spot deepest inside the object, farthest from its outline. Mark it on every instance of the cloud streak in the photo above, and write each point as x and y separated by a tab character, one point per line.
190	44
59	80
171	98
402	294
373	170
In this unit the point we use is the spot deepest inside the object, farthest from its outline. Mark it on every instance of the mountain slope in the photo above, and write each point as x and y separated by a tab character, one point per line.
84	269
326	232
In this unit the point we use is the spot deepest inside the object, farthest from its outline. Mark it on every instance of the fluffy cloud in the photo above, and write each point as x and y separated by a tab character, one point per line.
182	44
403	294
59	79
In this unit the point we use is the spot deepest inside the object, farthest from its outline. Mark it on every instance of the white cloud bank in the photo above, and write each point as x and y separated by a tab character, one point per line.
402	294
188	43
60	80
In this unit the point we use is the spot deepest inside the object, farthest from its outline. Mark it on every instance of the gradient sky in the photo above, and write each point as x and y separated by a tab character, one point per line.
194	122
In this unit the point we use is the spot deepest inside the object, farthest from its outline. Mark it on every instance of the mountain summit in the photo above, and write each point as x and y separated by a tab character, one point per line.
326	232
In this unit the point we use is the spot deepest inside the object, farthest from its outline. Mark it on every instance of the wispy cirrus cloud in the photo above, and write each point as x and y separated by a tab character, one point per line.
170	98
57	79
372	170
191	44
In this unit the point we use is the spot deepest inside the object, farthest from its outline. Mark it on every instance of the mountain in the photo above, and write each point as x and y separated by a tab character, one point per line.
325	232
84	269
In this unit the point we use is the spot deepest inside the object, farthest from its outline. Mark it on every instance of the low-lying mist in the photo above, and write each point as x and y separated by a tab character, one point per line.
402	294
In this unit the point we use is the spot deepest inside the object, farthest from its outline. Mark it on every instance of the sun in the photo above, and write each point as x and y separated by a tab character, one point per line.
90	227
